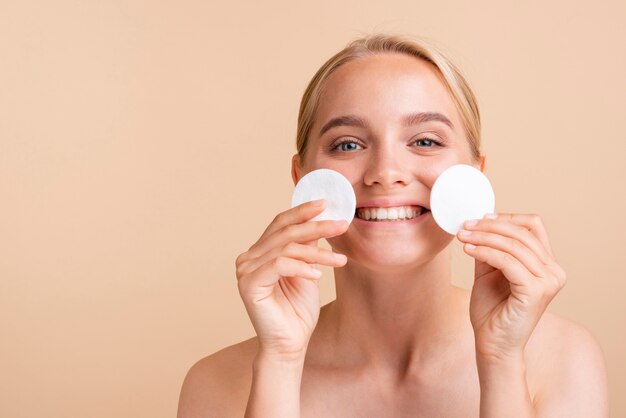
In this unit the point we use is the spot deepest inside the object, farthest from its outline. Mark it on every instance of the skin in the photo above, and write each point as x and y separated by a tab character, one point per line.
400	339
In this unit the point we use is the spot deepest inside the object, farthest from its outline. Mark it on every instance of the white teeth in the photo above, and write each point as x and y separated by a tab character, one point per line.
389	214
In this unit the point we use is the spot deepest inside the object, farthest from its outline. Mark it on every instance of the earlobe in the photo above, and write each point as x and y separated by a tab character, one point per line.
295	168
483	160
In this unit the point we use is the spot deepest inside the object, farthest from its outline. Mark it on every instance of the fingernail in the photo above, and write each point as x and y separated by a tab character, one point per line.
470	246
491	215
471	222
318	202
465	233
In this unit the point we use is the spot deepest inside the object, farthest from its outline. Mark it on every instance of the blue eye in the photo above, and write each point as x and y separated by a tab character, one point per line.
346	145
428	140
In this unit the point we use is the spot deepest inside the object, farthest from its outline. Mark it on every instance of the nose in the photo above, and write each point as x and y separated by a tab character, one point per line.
387	169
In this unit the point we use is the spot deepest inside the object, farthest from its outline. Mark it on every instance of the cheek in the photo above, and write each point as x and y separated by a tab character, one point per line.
435	169
349	169
430	173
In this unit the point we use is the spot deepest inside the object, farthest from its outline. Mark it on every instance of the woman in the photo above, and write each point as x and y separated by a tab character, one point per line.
400	340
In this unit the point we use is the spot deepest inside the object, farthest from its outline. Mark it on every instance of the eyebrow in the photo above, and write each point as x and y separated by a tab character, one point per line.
408	120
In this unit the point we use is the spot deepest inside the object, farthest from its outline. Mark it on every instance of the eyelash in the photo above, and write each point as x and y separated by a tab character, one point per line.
347	141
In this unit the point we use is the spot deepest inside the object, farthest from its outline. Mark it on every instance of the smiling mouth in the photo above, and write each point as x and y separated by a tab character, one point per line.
393	214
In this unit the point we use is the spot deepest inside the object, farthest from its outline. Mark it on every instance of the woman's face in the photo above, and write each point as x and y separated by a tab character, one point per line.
388	124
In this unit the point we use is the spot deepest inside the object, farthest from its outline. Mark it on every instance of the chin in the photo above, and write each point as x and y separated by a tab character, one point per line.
391	255
387	263
393	259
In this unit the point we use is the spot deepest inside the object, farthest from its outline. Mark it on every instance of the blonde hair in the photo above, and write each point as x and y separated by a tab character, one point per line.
368	45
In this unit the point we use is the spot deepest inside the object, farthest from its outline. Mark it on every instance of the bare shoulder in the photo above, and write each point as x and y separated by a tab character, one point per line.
568	367
219	385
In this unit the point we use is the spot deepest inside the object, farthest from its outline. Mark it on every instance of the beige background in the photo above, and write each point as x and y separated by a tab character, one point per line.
144	145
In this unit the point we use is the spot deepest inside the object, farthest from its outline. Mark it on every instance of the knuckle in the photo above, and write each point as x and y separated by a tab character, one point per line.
278	218
545	291
518	246
318	226
506	258
279	262
239	262
303	207
290	232
562	277
239	259
327	224
535	219
290	247
559	275
551	286
554	288
241	271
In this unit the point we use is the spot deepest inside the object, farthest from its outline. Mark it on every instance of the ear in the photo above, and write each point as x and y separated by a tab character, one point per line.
483	160
295	168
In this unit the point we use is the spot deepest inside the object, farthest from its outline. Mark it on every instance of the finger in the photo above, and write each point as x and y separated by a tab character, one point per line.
513	269
505	227
300	233
270	272
303	252
533	223
508	245
295	215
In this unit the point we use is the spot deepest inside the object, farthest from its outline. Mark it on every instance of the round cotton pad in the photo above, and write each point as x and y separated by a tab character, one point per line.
330	185
461	192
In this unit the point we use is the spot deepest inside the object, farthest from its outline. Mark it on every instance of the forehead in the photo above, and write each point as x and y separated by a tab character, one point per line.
384	87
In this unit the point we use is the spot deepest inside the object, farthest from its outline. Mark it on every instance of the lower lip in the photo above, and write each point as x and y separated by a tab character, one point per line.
382	224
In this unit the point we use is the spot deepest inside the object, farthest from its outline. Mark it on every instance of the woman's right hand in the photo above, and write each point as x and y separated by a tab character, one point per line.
279	284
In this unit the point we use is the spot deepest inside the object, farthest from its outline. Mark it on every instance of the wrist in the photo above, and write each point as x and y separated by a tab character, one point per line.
495	371
501	358
281	360
276	382
504	387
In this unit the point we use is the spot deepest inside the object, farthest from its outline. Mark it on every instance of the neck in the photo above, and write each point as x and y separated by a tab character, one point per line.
399	320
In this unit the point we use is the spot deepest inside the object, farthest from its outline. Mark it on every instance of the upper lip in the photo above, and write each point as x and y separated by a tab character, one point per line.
390	203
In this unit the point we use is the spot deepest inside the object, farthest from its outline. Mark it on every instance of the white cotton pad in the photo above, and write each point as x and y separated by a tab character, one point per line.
330	185
461	192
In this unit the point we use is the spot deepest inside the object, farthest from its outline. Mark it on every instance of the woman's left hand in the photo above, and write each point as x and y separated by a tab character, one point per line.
515	278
